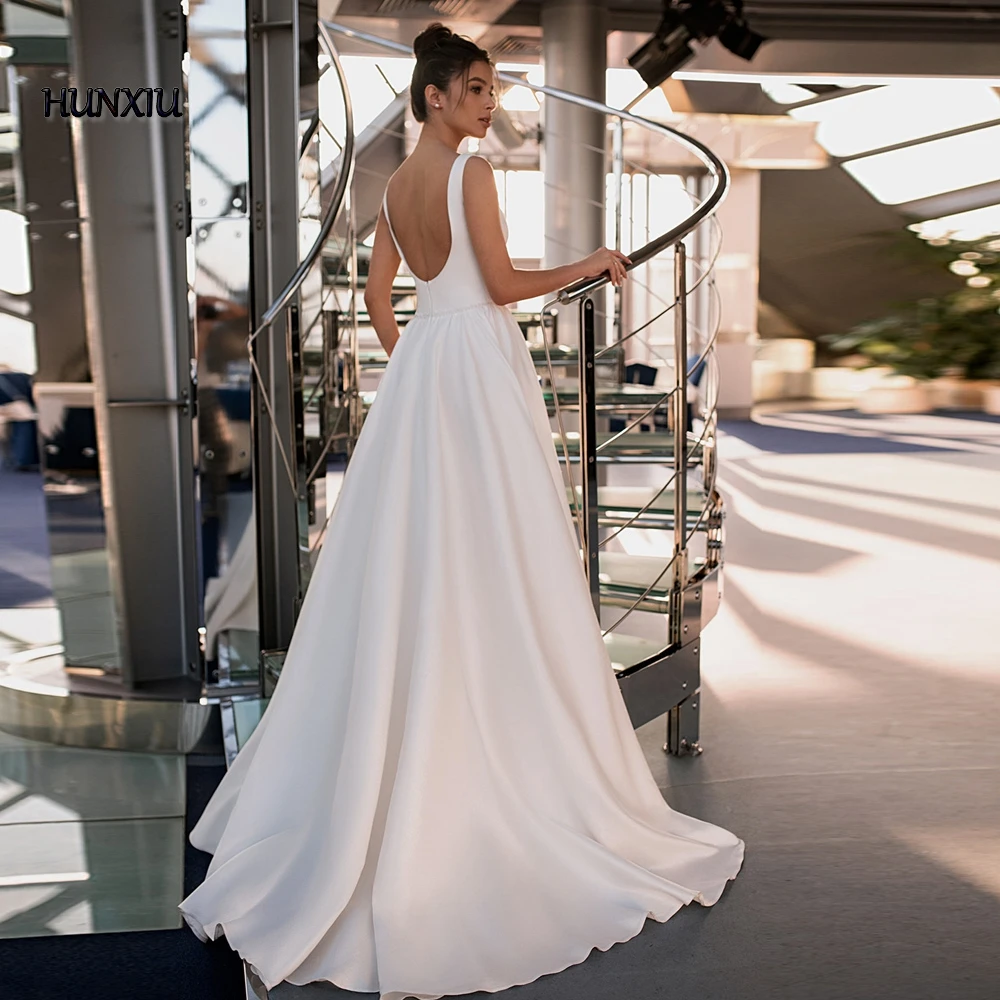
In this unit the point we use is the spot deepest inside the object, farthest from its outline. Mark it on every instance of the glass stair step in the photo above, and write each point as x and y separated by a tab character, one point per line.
621	395
631	447
373	360
616	504
624	577
628	650
563	356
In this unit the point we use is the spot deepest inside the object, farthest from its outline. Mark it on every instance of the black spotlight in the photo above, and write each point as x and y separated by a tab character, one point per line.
685	21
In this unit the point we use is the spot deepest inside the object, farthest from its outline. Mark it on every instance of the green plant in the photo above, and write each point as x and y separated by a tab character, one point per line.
955	333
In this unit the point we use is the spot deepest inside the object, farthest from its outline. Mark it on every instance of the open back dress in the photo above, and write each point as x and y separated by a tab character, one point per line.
445	793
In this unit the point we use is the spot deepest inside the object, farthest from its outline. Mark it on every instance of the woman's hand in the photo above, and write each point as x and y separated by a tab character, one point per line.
605	261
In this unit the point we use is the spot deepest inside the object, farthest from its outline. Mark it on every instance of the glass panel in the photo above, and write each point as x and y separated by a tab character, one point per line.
220	165
219	275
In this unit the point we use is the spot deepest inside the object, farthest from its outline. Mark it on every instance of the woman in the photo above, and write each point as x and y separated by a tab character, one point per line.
445	793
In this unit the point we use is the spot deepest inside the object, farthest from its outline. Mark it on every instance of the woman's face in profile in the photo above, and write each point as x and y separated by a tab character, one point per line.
472	112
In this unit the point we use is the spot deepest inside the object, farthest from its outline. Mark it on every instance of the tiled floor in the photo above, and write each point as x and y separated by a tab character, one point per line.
90	840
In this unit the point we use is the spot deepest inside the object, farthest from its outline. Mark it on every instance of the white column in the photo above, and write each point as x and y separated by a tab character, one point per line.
736	275
574	51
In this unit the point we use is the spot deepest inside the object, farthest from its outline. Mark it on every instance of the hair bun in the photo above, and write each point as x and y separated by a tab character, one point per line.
431	38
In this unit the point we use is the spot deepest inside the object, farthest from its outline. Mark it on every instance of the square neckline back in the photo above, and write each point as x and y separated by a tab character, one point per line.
451	227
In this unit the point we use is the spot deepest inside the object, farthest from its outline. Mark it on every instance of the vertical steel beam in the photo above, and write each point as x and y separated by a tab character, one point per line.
273	75
131	180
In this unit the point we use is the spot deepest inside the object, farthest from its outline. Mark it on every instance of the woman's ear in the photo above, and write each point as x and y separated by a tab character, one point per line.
432	96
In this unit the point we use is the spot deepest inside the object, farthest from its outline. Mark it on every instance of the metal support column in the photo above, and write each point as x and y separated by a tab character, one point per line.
131	179
273	76
574	51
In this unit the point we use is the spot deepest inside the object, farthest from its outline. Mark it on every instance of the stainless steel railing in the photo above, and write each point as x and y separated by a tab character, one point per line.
686	445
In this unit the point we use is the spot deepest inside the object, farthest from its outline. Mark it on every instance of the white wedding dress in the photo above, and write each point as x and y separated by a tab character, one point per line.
445	793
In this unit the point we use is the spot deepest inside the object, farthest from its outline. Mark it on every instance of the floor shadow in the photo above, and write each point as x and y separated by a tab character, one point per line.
17	591
891	525
753	547
796	441
977	510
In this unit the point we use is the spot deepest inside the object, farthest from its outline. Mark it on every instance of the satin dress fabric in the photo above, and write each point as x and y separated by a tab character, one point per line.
445	793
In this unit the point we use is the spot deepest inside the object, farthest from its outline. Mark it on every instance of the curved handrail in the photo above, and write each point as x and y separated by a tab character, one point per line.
674	238
716	168
327	223
336	199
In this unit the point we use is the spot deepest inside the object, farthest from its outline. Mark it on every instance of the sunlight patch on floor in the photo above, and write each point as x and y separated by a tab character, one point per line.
911	600
970	853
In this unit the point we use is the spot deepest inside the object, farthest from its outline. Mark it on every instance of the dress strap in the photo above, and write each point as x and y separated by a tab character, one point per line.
385	212
456	201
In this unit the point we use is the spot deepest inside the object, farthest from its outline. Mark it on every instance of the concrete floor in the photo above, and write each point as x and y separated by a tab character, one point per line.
851	704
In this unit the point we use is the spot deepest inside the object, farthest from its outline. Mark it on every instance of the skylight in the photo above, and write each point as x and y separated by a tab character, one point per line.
898	113
624	85
785	92
930	168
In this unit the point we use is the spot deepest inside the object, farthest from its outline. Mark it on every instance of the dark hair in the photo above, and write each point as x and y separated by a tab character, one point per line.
441	56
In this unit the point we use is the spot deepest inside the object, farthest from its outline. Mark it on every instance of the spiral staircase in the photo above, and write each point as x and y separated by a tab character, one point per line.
638	460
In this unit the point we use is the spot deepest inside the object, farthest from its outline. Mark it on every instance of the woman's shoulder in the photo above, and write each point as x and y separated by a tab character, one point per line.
478	168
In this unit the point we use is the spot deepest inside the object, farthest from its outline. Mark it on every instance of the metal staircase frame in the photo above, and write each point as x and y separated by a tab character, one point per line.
688	591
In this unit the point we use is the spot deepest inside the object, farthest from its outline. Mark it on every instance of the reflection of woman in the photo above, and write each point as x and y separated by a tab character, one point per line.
445	793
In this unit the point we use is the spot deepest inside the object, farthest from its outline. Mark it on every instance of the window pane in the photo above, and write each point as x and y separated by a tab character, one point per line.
525	212
15	271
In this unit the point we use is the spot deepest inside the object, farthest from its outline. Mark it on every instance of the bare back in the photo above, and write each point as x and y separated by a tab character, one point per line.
417	197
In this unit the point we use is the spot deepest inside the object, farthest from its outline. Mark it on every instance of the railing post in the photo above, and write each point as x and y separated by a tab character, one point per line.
680	443
617	169
356	412
588	452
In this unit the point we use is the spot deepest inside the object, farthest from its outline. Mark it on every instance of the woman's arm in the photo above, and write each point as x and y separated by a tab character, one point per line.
382	272
504	282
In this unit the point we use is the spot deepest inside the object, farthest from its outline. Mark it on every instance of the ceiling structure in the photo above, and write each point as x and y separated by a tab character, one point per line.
830	249
827	242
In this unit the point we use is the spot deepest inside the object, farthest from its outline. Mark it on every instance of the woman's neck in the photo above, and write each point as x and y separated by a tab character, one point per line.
435	134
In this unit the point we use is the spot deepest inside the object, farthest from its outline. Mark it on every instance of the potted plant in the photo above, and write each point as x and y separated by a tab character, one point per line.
943	351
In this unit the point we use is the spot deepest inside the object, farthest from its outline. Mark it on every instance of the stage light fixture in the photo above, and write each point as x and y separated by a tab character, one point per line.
685	21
